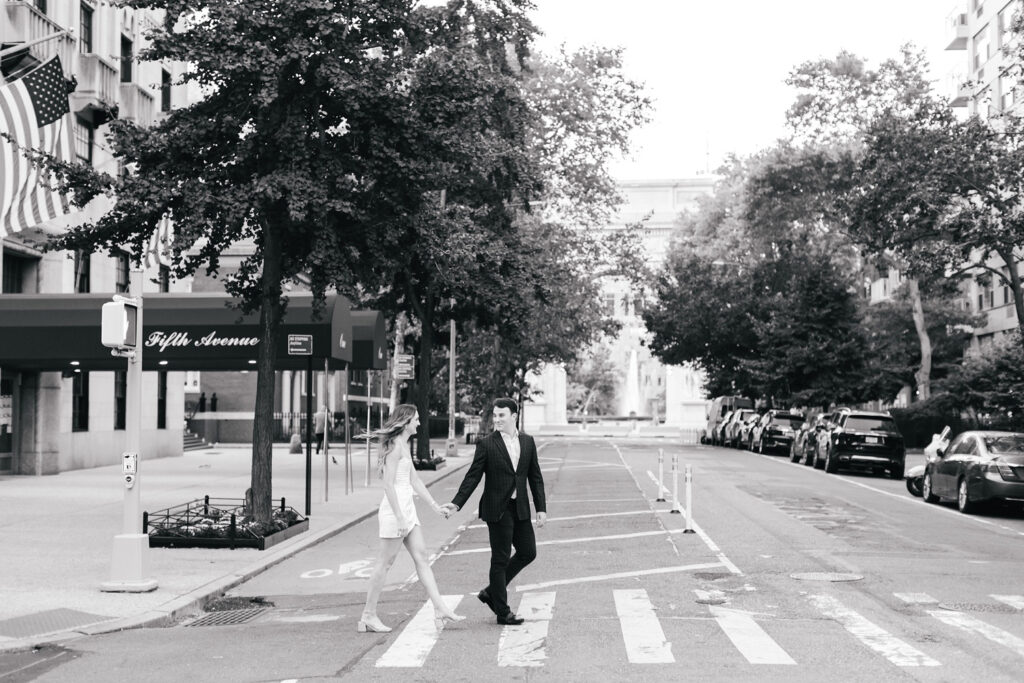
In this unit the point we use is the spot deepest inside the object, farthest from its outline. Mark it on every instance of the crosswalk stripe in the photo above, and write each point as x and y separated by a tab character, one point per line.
875	637
619	575
645	641
523	645
749	638
969	623
916	598
417	639
1014	601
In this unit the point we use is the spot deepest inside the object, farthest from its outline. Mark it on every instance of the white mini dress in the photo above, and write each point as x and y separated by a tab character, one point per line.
386	518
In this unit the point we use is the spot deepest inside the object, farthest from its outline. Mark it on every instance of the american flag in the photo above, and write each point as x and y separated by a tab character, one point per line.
34	112
158	249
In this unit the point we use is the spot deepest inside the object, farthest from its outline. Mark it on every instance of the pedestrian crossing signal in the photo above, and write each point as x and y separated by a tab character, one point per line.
118	328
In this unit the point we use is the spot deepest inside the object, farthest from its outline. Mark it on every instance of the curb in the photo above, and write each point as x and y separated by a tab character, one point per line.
195	600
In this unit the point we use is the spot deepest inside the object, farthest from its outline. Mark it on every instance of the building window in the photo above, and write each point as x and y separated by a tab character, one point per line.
164	280
165	90
161	400
120	399
85	29
126	59
982	50
14	274
84	137
121	276
82	267
80	402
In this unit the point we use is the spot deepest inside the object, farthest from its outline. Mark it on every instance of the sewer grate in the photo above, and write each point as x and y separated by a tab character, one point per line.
228	617
825	576
978	607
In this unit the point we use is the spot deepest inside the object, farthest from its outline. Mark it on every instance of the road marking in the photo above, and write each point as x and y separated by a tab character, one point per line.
412	647
749	638
969	623
641	630
619	575
523	645
713	547
875	637
584	539
568	519
916	598
1014	601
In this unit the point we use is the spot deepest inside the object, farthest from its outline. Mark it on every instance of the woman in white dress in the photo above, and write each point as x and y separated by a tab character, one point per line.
397	518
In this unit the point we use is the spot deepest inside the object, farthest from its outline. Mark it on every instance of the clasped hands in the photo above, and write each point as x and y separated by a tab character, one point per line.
449	509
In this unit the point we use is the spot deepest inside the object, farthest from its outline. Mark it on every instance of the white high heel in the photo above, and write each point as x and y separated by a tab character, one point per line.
439	621
371	624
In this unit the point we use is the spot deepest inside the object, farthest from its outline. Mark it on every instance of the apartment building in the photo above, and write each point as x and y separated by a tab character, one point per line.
51	421
985	86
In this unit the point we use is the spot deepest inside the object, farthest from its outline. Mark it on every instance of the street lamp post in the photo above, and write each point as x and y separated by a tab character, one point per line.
451	448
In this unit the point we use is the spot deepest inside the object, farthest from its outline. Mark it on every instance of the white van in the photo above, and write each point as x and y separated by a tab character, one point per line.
717	408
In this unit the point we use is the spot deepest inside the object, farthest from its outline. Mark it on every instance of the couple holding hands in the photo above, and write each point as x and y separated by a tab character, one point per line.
507	461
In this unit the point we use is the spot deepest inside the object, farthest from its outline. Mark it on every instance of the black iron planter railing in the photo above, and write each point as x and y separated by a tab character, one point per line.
219	523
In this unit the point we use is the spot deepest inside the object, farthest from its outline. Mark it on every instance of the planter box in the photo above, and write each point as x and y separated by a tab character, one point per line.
216	523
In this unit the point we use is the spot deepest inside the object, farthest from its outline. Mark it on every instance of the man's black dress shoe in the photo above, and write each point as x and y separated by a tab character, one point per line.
485	597
510	619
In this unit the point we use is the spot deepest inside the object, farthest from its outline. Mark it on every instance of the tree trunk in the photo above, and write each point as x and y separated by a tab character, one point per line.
263	422
1015	287
924	373
424	377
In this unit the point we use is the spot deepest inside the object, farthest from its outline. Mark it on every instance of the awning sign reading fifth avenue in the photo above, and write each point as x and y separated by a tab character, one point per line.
180	331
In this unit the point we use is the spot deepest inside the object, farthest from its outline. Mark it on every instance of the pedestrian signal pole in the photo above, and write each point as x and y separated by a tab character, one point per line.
121	330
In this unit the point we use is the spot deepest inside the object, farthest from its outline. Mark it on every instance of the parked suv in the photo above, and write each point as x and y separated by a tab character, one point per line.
860	439
732	427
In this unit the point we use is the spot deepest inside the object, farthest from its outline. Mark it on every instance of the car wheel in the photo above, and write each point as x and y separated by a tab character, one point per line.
831	464
793	455
926	490
963	499
914	486
760	446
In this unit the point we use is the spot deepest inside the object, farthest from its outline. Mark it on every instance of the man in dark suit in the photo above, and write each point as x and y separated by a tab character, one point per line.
507	461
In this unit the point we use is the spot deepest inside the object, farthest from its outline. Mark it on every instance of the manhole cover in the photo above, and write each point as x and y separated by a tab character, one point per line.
825	576
978	607
228	617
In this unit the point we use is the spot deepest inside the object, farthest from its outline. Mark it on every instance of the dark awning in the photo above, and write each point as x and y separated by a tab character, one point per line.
369	345
196	331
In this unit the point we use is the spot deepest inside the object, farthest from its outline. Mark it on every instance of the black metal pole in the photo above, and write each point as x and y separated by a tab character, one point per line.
309	430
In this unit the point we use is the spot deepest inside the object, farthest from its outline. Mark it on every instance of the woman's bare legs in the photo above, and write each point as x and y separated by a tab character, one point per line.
417	549
386	553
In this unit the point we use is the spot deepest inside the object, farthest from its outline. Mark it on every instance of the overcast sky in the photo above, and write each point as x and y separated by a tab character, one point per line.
716	69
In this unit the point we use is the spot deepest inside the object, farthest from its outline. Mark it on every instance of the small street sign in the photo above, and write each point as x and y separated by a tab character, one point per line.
405	366
300	345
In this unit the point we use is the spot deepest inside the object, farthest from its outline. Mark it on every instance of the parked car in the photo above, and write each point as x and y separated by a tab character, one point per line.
774	431
745	429
717	434
859	439
802	447
732	427
718	410
978	467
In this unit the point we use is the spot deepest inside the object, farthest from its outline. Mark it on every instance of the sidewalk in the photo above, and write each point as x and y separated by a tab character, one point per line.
57	532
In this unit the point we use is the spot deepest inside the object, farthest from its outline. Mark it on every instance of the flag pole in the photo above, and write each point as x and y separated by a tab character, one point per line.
22	46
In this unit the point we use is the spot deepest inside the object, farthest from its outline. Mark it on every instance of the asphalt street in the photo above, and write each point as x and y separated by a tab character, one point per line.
791	574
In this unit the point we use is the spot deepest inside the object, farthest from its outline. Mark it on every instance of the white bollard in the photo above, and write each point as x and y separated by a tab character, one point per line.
688	477
675	487
661	476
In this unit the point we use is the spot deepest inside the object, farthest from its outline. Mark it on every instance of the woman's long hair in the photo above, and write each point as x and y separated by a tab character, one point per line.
389	433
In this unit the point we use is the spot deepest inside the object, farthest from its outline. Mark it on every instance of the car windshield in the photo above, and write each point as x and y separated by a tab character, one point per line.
784	419
863	423
1010	443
